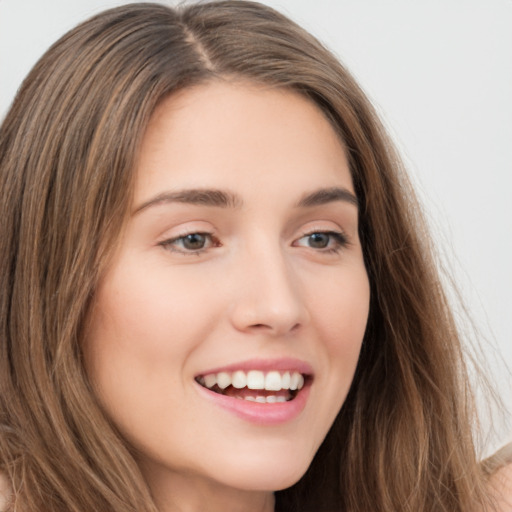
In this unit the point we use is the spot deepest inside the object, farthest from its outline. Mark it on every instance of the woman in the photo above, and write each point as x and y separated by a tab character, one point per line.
219	293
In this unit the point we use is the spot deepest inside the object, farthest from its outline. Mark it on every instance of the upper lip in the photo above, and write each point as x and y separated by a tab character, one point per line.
265	365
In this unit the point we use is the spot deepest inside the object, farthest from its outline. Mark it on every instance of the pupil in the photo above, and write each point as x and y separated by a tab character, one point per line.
319	240
194	241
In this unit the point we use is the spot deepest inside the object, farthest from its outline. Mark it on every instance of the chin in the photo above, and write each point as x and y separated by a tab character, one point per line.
272	474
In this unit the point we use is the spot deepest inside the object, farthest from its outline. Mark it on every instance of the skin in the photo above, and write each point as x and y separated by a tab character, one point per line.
501	487
260	288
4	492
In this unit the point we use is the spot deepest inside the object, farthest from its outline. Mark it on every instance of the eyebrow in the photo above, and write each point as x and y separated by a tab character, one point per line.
196	196
327	195
226	199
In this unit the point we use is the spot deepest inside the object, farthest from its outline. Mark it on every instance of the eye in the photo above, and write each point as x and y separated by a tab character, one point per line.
191	243
326	241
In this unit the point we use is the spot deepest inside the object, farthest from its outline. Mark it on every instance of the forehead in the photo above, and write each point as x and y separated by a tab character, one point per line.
239	135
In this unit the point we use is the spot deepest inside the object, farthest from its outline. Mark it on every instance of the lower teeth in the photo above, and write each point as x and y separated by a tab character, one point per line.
280	397
264	399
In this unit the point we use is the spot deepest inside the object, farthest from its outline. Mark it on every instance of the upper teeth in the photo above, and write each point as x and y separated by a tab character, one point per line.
254	379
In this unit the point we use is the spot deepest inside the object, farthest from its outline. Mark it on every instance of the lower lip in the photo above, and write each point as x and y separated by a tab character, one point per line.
261	414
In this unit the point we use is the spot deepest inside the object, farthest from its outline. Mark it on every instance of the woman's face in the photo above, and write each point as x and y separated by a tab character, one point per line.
239	269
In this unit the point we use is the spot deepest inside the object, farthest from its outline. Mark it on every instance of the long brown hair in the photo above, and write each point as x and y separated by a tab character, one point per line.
68	148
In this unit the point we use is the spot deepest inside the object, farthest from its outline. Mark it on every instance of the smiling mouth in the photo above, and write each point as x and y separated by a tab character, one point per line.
255	385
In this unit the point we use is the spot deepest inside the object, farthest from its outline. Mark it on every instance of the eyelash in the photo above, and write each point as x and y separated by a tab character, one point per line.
169	244
339	238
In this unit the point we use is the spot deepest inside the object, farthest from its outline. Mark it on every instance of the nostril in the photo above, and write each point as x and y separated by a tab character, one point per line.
267	327
277	317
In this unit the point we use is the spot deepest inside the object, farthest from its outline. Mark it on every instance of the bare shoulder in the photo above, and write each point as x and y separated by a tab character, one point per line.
4	492
501	488
501	480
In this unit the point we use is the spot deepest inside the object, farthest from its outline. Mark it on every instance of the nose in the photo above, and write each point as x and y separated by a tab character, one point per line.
268	297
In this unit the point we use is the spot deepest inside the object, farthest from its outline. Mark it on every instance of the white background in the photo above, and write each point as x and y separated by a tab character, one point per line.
440	74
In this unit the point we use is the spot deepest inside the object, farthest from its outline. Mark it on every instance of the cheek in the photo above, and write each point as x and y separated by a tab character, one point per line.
148	316
340	311
143	328
340	315
138	341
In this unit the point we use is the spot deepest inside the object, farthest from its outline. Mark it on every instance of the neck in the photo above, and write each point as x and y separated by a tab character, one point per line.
187	493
